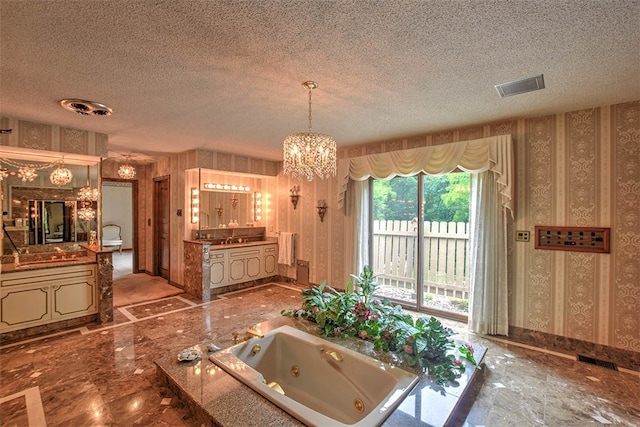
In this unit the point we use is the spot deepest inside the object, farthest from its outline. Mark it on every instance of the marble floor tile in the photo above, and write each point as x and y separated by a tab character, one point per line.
105	375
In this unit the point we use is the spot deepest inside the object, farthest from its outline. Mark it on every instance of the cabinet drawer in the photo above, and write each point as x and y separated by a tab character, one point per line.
48	275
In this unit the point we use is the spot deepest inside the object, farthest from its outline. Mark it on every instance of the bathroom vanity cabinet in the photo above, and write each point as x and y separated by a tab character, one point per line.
242	264
36	297
211	269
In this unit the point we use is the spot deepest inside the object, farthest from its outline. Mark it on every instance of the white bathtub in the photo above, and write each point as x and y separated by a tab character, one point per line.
323	384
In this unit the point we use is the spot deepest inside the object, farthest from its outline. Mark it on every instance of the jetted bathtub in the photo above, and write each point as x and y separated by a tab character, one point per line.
316	381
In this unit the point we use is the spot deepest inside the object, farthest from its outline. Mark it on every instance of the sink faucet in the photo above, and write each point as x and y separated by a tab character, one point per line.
62	253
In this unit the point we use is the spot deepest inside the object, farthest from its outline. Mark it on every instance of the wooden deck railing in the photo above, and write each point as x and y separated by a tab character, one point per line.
445	258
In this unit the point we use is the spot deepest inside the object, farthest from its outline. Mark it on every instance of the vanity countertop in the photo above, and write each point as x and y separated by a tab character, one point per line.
232	245
47	263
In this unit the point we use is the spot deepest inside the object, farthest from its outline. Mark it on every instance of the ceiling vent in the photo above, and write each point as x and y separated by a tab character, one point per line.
86	108
520	86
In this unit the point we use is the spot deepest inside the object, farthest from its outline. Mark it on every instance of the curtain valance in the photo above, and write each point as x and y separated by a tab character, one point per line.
493	153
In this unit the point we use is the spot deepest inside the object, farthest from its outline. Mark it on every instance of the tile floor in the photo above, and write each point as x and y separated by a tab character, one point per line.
105	375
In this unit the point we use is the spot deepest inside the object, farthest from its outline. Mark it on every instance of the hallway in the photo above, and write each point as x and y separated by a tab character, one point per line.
130	288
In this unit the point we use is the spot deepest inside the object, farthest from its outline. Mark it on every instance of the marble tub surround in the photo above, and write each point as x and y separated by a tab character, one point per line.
199	385
117	384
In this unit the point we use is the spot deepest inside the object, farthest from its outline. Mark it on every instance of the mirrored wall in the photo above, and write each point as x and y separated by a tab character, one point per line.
45	204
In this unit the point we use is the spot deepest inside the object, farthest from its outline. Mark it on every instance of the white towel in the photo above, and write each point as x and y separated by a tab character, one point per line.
285	248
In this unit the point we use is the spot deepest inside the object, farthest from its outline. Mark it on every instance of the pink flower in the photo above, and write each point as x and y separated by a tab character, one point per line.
410	340
469	347
457	362
374	318
337	331
315	310
363	335
375	302
407	349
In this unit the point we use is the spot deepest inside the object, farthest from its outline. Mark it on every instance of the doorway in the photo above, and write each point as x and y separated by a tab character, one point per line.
119	207
161	228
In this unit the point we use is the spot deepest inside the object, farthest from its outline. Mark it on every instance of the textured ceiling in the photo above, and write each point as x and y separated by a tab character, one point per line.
226	75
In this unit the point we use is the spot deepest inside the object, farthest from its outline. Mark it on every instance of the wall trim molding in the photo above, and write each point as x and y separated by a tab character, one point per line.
623	358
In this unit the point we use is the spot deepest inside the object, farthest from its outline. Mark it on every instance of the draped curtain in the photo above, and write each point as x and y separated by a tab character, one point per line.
493	198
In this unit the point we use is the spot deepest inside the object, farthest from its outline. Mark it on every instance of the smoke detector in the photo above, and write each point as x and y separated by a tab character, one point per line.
520	86
85	108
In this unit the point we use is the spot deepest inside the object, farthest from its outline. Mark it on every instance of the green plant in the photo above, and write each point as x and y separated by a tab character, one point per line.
462	304
356	312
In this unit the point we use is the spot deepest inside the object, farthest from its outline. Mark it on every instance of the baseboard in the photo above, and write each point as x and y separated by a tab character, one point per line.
623	358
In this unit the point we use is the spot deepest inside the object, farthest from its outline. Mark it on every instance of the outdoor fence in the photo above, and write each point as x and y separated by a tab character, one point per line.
445	257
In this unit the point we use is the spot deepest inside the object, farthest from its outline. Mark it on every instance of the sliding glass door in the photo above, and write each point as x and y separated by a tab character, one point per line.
395	238
421	241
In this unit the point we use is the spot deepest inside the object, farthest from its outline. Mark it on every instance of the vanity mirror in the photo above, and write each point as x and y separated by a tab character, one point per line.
37	213
220	208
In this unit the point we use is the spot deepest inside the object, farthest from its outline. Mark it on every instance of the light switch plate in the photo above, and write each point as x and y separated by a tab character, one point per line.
522	236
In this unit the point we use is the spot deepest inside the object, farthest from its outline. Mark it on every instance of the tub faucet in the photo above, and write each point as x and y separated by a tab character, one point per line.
335	355
252	332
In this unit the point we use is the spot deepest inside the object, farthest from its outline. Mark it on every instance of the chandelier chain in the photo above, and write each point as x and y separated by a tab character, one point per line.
310	87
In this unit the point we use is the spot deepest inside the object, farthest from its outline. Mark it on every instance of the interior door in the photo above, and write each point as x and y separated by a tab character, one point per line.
162	214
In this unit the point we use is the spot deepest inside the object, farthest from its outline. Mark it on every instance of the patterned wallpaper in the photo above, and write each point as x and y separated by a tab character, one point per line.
575	168
39	136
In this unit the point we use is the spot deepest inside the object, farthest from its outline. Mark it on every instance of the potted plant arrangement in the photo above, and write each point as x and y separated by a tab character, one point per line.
424	342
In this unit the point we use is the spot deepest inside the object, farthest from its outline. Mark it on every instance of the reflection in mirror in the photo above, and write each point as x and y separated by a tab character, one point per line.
221	208
38	214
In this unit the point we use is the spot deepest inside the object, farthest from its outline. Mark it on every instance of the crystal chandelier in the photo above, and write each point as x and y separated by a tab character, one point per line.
127	171
307	153
27	173
4	173
86	193
86	213
61	175
87	196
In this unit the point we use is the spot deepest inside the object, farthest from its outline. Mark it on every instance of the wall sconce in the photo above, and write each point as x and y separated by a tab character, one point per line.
257	206
195	205
234	200
219	210
294	195
322	209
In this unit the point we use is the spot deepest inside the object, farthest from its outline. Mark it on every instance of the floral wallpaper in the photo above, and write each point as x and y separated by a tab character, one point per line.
577	168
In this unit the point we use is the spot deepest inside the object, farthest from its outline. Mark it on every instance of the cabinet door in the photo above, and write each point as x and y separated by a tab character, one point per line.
253	267
242	263
73	298
22	306
218	261
270	260
236	270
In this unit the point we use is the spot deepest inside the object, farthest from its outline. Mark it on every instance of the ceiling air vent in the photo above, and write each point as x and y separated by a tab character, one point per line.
86	108
520	86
